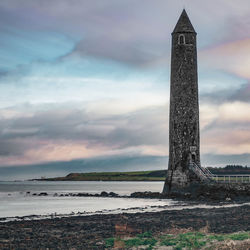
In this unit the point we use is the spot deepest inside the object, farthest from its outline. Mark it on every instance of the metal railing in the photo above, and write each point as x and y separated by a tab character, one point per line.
208	173
232	178
205	175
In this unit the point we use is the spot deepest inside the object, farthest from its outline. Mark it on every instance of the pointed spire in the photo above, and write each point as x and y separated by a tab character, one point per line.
184	24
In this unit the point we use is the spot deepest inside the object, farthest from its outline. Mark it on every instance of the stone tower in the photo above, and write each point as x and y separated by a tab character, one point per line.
184	136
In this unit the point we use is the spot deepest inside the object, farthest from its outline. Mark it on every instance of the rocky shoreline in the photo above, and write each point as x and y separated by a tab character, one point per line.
202	193
90	232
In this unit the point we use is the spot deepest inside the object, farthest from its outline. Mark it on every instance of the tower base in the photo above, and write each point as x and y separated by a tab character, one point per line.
179	180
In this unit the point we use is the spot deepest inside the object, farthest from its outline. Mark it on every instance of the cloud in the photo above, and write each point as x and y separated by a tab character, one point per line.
111	30
226	141
119	49
226	129
12	148
58	133
242	94
124	30
78	124
237	112
65	134
100	92
232	57
227	114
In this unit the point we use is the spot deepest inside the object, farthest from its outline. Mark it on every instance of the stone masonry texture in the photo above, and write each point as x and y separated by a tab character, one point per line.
184	138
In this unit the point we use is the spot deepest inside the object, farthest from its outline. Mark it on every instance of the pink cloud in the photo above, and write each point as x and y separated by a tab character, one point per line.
225	128
232	57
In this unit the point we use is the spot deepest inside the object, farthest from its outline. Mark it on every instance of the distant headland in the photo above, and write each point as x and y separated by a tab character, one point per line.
156	175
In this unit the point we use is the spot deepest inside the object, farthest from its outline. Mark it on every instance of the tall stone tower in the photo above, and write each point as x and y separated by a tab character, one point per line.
184	137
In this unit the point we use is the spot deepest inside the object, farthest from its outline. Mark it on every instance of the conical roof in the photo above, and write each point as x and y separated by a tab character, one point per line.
184	25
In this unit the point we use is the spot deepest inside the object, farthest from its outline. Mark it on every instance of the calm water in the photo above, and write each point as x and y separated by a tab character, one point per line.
14	201
80	186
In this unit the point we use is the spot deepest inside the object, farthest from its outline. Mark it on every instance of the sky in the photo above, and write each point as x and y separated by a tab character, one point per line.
89	79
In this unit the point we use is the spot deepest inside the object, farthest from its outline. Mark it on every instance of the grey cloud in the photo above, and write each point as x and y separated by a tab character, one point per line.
121	31
134	31
113	48
144	127
13	147
242	94
216	97
148	127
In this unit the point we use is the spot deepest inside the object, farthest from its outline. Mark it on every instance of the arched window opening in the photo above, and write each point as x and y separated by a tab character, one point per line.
181	39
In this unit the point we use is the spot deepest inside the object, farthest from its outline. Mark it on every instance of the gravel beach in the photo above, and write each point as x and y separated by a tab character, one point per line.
89	232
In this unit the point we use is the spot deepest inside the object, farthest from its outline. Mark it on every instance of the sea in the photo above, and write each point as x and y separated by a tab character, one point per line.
19	200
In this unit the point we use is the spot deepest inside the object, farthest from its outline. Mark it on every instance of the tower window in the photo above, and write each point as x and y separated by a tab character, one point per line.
181	39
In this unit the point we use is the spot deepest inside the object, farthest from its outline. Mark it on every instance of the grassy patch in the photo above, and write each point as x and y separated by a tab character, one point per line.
109	243
235	236
240	236
217	237
190	240
144	239
145	235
